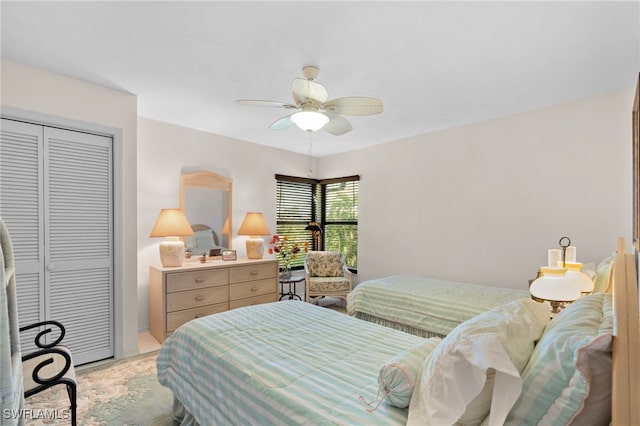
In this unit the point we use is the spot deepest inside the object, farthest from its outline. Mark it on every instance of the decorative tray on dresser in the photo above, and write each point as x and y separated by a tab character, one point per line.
193	290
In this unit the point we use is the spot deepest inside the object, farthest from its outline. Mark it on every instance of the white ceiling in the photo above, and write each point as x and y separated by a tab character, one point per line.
434	64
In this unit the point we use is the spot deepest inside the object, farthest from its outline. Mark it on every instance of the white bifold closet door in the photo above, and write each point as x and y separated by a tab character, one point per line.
56	198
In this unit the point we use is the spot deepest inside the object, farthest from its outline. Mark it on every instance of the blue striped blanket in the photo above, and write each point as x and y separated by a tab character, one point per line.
426	307
280	363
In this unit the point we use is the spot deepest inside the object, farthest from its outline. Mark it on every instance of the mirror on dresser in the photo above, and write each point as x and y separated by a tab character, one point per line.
205	198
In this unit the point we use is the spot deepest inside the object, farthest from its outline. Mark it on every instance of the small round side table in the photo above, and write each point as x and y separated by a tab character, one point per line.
293	279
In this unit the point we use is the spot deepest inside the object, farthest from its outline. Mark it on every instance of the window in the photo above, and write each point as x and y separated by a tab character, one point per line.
340	223
294	211
332	203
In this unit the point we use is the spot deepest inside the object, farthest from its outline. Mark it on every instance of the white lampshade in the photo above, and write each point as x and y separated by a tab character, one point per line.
555	287
574	273
254	225
171	224
309	120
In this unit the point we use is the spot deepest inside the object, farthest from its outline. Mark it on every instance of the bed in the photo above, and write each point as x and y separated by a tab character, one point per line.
254	366
423	306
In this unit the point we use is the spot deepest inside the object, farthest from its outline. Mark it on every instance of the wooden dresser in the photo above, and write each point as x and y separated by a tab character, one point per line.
193	290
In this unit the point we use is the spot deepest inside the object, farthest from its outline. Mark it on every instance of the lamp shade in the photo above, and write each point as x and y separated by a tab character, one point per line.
254	225
309	120
226	229
574	273
314	227
171	223
554	286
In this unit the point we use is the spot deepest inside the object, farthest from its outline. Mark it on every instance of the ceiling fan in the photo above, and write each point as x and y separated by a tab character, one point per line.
315	112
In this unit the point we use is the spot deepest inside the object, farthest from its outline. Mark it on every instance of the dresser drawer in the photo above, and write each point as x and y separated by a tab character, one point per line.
252	288
196	279
252	272
176	319
257	300
195	298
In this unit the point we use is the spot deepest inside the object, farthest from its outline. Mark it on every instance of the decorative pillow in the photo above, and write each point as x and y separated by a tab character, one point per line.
325	264
397	378
589	269
568	378
480	358
603	275
204	239
190	242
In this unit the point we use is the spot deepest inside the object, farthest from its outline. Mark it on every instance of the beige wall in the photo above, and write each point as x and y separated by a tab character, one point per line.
51	98
482	203
164	150
479	203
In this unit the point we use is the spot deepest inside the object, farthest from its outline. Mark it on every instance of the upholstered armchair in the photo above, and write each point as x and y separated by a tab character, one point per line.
23	375
326	275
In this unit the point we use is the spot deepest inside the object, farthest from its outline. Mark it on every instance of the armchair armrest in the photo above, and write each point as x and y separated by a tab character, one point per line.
39	336
347	273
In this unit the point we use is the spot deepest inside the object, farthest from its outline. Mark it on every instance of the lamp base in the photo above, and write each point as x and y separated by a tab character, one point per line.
255	247
172	252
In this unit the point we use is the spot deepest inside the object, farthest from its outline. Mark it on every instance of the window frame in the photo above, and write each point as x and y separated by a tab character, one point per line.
318	209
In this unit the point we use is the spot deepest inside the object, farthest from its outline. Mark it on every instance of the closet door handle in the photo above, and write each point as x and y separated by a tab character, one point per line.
52	267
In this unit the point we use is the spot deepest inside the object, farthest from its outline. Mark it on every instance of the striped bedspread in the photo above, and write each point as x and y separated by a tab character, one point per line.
283	363
426	307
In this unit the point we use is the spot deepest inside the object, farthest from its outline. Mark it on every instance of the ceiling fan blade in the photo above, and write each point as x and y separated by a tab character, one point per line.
307	89
281	123
355	105
337	125
254	102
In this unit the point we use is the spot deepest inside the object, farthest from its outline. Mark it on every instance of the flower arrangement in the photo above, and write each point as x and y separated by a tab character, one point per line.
285	252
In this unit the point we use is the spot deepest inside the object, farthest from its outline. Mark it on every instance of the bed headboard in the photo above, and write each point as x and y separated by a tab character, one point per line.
625	408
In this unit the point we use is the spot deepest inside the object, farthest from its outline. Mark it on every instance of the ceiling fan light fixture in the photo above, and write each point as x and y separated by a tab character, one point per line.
309	120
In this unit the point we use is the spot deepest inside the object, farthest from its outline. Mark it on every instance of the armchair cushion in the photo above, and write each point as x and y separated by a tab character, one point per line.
325	264
50	371
329	284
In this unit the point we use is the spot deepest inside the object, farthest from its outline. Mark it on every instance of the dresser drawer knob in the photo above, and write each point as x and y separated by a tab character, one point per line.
254	288
199	280
199	316
199	298
253	273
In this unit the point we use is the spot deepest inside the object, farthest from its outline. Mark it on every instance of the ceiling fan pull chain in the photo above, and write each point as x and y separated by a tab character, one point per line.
310	153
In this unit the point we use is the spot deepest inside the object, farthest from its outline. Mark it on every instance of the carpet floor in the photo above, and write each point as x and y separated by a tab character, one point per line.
122	392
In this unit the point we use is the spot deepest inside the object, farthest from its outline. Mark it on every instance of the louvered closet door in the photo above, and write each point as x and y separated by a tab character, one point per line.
21	201
56	198
78	240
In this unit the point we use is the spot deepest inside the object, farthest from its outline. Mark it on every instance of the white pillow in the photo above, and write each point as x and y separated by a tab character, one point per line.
475	370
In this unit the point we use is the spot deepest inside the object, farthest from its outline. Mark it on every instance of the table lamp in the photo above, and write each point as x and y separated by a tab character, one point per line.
554	287
553	284
254	226
316	232
171	224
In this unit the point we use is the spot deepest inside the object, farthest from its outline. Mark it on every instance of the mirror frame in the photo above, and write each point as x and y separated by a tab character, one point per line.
208	180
